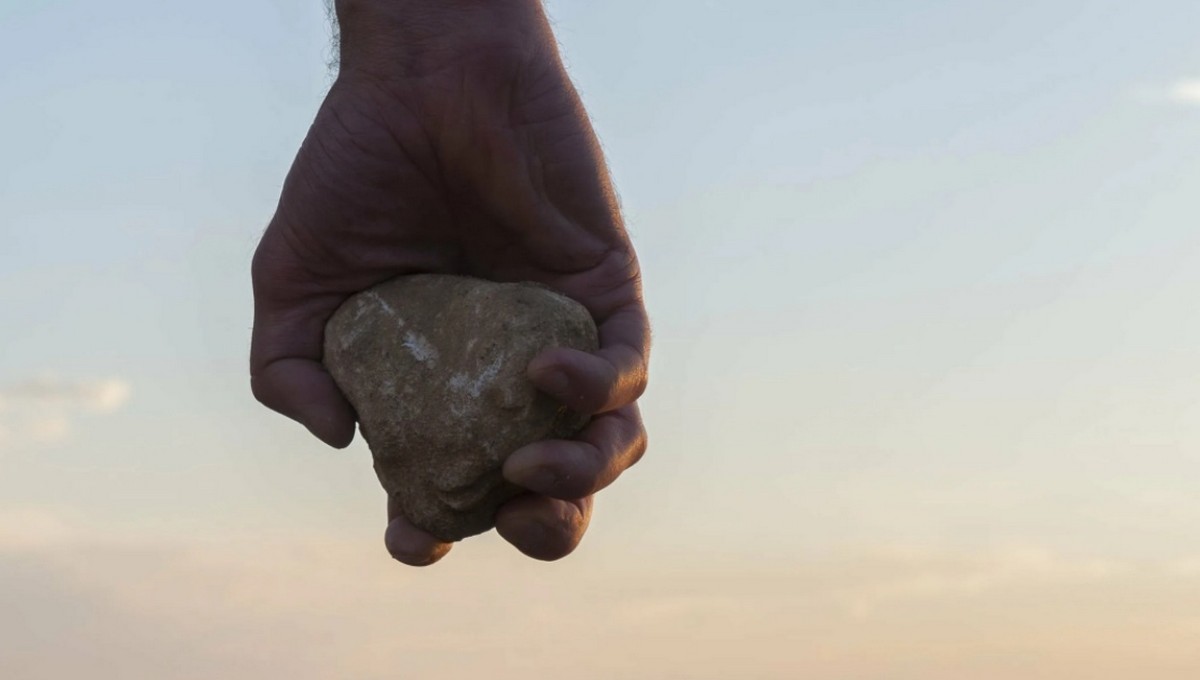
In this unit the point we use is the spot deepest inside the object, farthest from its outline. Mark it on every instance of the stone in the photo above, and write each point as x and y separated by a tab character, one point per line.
435	366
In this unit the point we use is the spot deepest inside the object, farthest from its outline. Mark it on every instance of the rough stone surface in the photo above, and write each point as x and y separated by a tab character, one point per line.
435	366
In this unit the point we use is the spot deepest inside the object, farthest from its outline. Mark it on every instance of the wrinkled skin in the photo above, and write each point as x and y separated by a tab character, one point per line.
465	151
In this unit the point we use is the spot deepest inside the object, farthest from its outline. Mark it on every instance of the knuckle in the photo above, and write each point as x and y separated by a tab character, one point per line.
640	445
588	484
641	381
638	376
608	397
261	390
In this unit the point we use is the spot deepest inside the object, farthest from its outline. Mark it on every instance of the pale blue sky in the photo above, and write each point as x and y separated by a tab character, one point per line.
923	276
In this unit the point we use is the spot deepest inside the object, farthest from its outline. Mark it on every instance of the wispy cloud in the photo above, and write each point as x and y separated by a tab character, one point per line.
43	411
246	608
101	396
49	429
1185	91
1181	92
31	529
915	576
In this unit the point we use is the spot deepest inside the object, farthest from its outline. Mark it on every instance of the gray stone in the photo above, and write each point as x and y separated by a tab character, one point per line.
435	367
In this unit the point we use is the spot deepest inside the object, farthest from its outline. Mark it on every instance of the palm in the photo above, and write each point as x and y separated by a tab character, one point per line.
486	167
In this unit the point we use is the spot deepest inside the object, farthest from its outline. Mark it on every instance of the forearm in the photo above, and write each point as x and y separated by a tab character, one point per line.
410	37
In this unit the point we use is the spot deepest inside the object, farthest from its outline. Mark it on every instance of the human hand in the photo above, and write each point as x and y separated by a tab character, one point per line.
454	142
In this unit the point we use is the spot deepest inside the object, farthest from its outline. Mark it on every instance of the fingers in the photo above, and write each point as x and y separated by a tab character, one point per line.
412	546
550	526
608	382
613	377
544	528
568	469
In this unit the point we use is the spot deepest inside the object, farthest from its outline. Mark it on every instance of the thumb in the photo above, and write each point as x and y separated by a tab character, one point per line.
286	374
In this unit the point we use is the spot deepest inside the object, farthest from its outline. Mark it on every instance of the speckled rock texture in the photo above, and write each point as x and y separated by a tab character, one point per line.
435	366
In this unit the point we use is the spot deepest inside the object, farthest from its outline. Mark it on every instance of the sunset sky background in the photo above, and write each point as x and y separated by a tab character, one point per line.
926	387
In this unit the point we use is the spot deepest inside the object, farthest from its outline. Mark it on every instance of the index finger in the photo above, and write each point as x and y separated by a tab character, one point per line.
613	377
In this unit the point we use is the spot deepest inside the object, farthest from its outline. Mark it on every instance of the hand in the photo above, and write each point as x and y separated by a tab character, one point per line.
454	142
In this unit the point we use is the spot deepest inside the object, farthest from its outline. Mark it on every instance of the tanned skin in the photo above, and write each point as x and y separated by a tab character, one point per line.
453	141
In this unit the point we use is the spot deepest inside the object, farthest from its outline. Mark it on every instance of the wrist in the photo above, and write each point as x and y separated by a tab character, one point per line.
409	37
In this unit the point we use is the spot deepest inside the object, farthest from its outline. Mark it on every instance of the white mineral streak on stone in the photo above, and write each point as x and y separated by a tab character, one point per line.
387	307
461	383
458	382
361	308
349	338
418	346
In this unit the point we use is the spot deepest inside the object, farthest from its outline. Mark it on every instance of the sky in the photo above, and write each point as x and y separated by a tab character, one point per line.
924	402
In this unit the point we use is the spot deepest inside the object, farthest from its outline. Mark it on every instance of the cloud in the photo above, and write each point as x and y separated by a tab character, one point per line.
313	606
42	411
152	602
103	396
49	430
31	529
1182	92
915	576
1185	92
